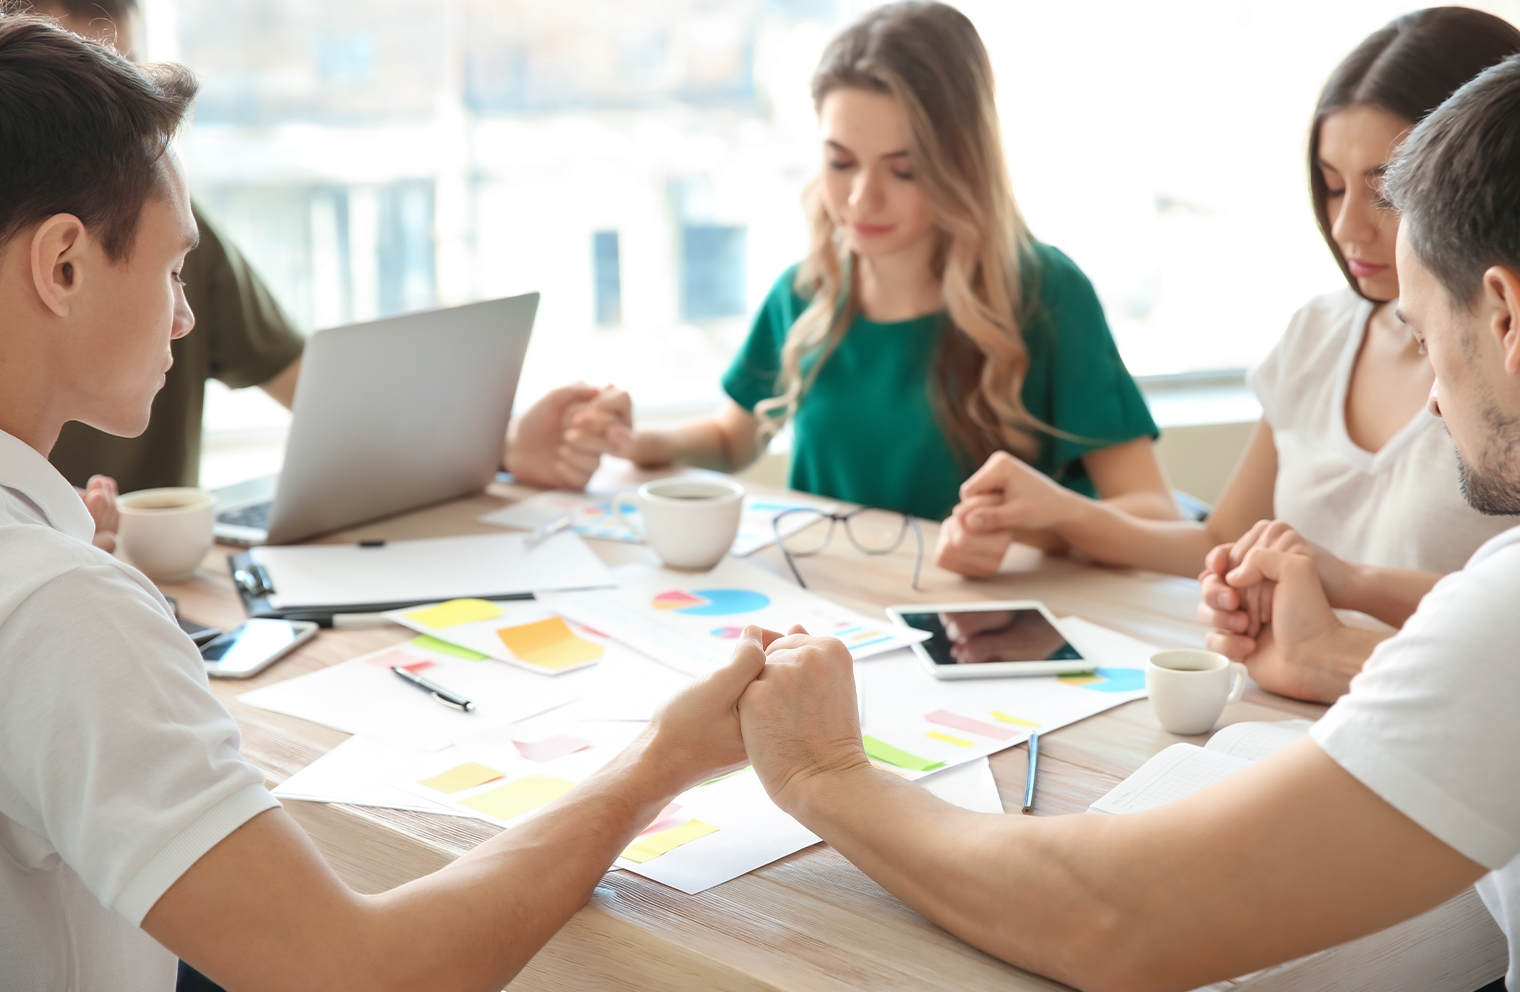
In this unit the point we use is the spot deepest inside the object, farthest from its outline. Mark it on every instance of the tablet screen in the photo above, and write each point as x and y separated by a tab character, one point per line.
982	636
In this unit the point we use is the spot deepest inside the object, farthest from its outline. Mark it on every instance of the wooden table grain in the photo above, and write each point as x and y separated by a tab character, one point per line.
812	922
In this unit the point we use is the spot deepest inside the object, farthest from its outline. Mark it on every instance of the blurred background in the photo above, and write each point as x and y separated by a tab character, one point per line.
640	164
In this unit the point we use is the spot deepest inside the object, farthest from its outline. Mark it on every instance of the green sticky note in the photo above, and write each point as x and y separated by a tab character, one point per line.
882	751
428	643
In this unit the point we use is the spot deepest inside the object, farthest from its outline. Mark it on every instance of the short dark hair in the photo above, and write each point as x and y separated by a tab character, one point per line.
89	9
1407	67
81	131
1457	183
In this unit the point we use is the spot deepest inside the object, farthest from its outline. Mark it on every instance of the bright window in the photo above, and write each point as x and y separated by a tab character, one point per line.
640	164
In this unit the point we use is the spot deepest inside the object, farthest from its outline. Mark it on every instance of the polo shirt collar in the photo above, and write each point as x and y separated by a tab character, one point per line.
30	474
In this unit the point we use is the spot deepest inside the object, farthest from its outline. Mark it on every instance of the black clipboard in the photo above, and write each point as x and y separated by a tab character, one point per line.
255	585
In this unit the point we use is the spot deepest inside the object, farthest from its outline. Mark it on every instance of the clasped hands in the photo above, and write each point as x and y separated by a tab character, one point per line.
1269	597
784	703
1004	501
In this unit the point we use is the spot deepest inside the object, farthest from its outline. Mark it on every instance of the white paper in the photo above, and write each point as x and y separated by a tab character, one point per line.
592	515
360	697
1254	740
969	786
897	695
752	832
1178	771
481	636
699	639
360	772
431	570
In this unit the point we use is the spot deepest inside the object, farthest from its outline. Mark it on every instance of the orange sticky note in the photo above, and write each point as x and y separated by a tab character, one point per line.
549	644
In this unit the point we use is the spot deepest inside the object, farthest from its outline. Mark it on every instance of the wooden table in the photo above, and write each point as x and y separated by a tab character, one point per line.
812	921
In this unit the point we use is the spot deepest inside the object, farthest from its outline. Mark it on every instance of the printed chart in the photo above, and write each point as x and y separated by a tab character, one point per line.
593	516
690	622
707	835
915	725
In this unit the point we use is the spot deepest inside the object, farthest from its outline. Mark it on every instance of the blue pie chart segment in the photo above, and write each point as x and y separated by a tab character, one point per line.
723	602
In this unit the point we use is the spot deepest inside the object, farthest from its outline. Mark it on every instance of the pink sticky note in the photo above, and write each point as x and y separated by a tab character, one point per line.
667	818
399	659
981	727
551	748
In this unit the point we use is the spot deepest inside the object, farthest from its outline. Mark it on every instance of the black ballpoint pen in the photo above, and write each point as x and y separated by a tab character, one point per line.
445	696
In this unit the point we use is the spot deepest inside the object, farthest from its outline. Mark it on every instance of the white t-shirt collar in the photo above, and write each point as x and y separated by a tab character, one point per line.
24	470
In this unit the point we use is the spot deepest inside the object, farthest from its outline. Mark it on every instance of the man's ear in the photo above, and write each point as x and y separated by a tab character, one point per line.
58	247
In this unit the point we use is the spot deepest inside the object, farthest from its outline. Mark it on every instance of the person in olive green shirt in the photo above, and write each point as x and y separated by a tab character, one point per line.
244	338
927	331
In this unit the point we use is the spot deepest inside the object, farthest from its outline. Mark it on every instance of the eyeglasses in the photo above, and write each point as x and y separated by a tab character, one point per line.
863	525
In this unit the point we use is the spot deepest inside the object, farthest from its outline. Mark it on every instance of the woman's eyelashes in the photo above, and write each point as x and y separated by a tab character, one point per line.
841	164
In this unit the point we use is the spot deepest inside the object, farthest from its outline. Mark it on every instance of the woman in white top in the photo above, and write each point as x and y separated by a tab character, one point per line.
1345	452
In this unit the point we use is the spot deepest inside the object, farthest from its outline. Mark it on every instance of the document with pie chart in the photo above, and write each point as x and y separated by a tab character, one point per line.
690	621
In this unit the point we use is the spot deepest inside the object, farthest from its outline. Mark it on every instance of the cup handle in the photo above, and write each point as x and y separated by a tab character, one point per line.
1238	675
616	503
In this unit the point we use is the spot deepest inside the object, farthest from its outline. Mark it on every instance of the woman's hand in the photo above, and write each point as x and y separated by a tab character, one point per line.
100	499
1024	498
974	554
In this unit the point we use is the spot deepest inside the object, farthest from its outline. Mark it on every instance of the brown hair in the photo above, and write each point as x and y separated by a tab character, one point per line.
929	57
81	131
1408	67
1456	183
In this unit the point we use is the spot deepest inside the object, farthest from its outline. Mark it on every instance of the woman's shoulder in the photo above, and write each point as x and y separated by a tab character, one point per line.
1050	273
1322	325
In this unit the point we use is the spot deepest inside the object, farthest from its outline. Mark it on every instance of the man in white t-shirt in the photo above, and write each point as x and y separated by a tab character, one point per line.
131	830
1406	792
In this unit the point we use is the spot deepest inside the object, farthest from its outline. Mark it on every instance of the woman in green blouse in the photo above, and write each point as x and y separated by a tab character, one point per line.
926	330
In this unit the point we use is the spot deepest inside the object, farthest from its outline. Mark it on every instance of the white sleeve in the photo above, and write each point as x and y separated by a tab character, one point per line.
111	744
1430	723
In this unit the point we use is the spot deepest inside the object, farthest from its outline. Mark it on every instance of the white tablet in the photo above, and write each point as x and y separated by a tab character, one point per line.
990	640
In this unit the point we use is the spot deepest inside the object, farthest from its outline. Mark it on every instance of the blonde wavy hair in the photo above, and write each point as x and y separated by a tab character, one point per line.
929	57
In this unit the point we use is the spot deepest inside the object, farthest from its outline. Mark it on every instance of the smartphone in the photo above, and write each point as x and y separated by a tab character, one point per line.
254	646
990	640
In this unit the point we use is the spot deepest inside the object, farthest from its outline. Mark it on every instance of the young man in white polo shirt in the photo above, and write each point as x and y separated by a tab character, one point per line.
131	830
1407	791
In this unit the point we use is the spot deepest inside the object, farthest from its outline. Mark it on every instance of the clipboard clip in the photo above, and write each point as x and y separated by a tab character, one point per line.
254	580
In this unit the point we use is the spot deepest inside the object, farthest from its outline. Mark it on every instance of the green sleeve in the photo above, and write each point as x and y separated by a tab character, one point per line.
249	337
1089	393
752	375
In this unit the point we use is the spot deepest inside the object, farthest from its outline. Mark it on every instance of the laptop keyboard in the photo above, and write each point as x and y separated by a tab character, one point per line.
255	515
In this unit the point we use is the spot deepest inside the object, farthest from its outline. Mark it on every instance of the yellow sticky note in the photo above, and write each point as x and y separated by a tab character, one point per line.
549	644
455	612
516	798
1085	678
461	777
996	715
948	739
647	848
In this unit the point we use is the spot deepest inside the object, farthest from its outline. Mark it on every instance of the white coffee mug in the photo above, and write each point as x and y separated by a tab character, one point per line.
165	533
690	523
1189	688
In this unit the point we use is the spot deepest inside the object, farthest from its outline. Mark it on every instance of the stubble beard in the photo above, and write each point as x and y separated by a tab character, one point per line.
1493	486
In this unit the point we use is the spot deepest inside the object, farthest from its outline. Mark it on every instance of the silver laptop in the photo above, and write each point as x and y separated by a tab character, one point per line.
389	416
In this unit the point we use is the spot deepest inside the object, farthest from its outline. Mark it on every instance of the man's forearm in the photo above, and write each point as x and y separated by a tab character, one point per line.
485	916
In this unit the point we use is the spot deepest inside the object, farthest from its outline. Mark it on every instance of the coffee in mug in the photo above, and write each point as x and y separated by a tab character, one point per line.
1190	687
690	523
165	533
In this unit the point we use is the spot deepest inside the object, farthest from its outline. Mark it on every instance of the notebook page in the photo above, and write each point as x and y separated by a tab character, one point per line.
1179	771
1253	740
